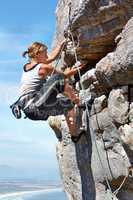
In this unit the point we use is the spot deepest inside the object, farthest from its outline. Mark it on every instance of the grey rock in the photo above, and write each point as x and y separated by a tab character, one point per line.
74	163
111	170
117	67
118	106
101	121
126	135
94	23
125	195
55	124
102	151
69	170
99	104
130	115
88	78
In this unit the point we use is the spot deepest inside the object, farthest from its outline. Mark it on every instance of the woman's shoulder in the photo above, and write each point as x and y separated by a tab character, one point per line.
29	66
45	66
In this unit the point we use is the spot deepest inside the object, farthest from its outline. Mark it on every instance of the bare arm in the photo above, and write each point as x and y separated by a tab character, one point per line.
55	52
46	70
72	71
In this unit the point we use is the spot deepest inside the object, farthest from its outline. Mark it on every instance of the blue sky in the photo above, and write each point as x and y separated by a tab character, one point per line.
24	144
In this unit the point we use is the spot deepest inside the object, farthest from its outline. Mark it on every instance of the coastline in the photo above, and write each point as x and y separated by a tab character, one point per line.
12	194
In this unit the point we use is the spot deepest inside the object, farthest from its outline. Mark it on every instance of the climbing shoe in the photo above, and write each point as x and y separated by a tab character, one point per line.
16	110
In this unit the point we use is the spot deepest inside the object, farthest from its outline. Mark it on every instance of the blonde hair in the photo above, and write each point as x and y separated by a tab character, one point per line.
34	49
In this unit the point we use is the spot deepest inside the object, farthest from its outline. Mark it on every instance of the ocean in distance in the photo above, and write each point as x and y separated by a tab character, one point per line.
48	194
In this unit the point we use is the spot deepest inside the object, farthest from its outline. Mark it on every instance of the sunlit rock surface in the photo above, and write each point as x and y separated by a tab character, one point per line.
95	22
104	154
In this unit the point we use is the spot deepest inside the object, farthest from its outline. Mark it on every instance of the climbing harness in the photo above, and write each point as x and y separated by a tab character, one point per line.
112	194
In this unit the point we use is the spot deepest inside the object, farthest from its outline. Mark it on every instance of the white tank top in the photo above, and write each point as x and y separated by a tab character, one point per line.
31	81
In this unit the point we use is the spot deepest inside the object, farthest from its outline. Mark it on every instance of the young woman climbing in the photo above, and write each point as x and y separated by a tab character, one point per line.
40	92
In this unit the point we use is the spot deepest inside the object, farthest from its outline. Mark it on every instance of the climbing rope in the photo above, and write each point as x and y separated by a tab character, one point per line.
82	87
125	178
88	114
101	131
69	15
113	194
92	135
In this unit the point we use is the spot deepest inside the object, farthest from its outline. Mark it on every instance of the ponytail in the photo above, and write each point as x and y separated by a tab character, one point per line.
34	49
24	53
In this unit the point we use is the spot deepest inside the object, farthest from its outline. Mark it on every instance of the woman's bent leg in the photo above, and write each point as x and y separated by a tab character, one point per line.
71	119
71	93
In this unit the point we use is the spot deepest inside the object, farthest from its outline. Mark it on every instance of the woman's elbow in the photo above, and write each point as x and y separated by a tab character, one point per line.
50	60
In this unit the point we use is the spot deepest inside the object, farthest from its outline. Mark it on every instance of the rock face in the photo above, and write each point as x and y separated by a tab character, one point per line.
95	23
117	67
99	165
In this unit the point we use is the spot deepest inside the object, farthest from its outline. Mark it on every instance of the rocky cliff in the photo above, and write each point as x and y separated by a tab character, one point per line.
99	166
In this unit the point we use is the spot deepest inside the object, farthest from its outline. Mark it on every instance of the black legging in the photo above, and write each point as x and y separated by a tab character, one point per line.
45	102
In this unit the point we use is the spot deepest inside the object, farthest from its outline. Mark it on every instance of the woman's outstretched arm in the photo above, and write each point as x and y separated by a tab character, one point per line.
55	52
72	71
